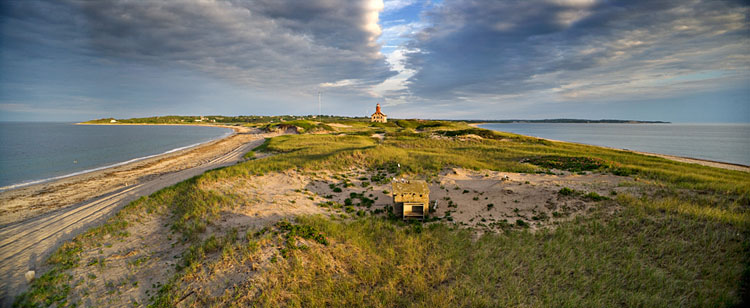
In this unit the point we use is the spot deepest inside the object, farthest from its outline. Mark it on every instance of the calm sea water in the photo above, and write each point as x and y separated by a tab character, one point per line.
32	152
718	142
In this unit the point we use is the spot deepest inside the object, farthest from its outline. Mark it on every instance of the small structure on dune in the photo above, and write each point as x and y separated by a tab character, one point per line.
378	116
411	199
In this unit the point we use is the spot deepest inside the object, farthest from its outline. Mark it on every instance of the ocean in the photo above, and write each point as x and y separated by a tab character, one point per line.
718	142
41	151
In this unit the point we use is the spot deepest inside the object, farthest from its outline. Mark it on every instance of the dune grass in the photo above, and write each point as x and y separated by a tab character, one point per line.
684	243
637	257
302	125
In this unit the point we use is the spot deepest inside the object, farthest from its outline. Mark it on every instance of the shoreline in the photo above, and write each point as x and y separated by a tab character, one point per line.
682	159
15	186
165	124
51	214
27	201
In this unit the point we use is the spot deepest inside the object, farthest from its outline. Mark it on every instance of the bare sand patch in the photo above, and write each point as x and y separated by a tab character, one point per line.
492	200
488	200
470	137
126	272
339	125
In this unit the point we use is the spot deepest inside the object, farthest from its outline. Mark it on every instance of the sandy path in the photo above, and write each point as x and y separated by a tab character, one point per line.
25	244
689	160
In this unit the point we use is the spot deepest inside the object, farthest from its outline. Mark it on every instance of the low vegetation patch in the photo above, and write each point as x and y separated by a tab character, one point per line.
484	133
302	231
574	164
566	191
593	196
303	126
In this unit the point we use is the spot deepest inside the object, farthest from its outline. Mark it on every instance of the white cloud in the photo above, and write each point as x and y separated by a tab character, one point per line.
395	5
396	84
340	83
394	90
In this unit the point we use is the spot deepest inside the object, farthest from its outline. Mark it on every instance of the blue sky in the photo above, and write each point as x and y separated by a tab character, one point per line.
681	61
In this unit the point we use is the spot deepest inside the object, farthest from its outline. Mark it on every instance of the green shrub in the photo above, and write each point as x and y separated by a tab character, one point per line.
593	196
566	191
574	164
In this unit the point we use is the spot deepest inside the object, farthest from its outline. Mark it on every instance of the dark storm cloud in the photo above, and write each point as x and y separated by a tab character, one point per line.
265	43
577	48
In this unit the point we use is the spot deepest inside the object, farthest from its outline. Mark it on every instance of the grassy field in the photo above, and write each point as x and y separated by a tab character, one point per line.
684	242
635	258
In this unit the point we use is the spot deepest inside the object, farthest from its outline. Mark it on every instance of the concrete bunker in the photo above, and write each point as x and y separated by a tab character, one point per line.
411	198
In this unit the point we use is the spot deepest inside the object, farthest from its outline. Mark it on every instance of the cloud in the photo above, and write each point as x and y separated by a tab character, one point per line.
578	49
257	43
394	89
395	5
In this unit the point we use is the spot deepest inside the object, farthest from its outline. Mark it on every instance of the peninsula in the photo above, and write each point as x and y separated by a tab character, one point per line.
308	216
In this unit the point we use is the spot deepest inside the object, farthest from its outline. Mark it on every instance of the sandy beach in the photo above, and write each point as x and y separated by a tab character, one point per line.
689	160
37	218
33	200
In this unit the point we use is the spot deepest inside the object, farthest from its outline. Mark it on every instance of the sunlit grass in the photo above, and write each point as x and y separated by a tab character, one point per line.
637	257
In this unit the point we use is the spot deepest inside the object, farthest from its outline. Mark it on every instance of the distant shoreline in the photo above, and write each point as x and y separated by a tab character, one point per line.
572	121
683	159
44	181
164	124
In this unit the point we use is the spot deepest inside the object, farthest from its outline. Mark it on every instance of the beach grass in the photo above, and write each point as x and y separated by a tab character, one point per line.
638	257
684	242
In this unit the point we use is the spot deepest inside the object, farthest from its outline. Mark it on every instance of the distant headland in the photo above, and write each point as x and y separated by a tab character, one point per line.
607	121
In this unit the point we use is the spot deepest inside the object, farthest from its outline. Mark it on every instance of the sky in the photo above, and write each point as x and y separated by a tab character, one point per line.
679	61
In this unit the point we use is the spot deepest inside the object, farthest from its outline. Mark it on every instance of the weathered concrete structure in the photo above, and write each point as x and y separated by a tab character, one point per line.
411	199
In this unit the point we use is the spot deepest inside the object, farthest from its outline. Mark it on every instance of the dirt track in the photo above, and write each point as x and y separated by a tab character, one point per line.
25	244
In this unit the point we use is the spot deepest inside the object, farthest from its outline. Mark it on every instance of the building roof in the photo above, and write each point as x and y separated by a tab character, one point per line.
377	111
413	186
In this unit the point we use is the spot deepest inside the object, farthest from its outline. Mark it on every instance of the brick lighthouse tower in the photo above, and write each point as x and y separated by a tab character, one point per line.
378	116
